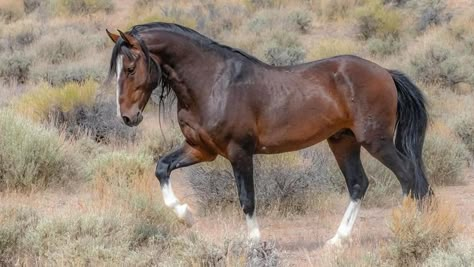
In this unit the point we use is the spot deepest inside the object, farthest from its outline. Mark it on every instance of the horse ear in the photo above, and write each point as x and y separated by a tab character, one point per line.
113	37
129	39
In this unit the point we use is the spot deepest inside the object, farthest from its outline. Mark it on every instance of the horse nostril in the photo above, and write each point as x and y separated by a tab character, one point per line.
126	120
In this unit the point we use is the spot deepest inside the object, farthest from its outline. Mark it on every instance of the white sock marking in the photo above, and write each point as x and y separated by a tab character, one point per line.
168	196
119	72
171	201
347	223
252	226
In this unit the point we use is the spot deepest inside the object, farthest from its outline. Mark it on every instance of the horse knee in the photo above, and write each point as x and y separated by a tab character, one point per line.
248	206
358	190
161	171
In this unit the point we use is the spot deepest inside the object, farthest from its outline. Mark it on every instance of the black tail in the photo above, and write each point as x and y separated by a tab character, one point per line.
412	120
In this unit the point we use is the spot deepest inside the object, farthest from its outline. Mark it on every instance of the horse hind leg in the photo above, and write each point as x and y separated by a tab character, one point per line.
384	150
346	150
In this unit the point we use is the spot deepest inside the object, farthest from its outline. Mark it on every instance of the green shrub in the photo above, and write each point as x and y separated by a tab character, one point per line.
284	49
445	157
375	20
83	6
334	9
384	47
442	65
430	13
15	66
460	253
14	223
301	19
464	129
31	155
57	50
66	73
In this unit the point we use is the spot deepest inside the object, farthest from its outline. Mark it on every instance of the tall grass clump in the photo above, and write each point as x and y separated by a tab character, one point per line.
32	156
460	253
420	229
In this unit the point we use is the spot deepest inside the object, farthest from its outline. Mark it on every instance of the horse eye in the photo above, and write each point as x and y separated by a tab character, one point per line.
131	70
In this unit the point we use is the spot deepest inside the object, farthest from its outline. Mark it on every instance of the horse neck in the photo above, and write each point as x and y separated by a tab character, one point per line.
190	69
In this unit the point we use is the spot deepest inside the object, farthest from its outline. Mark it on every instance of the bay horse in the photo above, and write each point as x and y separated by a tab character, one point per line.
231	104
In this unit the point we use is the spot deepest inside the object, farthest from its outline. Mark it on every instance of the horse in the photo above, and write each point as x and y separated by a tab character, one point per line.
233	105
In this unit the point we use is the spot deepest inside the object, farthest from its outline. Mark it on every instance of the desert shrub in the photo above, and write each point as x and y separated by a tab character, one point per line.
261	4
464	129
334	9
460	253
283	183
39	103
442	65
11	10
301	19
430	13
15	66
31	155
57	50
83	6
284	49
191	250
76	109
417	232
59	75
333	47
19	34
99	121
375	20
212	18
384	47
14	222
31	5
445	157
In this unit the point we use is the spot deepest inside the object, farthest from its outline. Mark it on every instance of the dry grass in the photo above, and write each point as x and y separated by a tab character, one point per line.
420	228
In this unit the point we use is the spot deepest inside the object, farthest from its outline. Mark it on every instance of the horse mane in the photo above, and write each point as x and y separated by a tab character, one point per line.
195	36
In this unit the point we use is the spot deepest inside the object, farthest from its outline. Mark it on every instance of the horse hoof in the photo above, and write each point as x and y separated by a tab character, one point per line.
184	214
254	237
335	242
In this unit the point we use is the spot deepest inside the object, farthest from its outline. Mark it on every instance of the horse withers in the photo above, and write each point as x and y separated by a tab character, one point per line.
233	105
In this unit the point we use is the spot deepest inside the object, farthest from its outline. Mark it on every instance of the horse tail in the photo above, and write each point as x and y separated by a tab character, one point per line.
412	121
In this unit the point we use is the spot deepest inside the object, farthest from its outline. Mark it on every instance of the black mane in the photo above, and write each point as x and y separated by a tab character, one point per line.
193	35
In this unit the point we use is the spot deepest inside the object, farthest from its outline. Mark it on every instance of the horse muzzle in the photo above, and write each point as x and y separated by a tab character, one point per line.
132	121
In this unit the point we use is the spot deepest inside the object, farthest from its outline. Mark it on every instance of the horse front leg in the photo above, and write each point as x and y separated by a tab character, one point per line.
186	155
242	165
